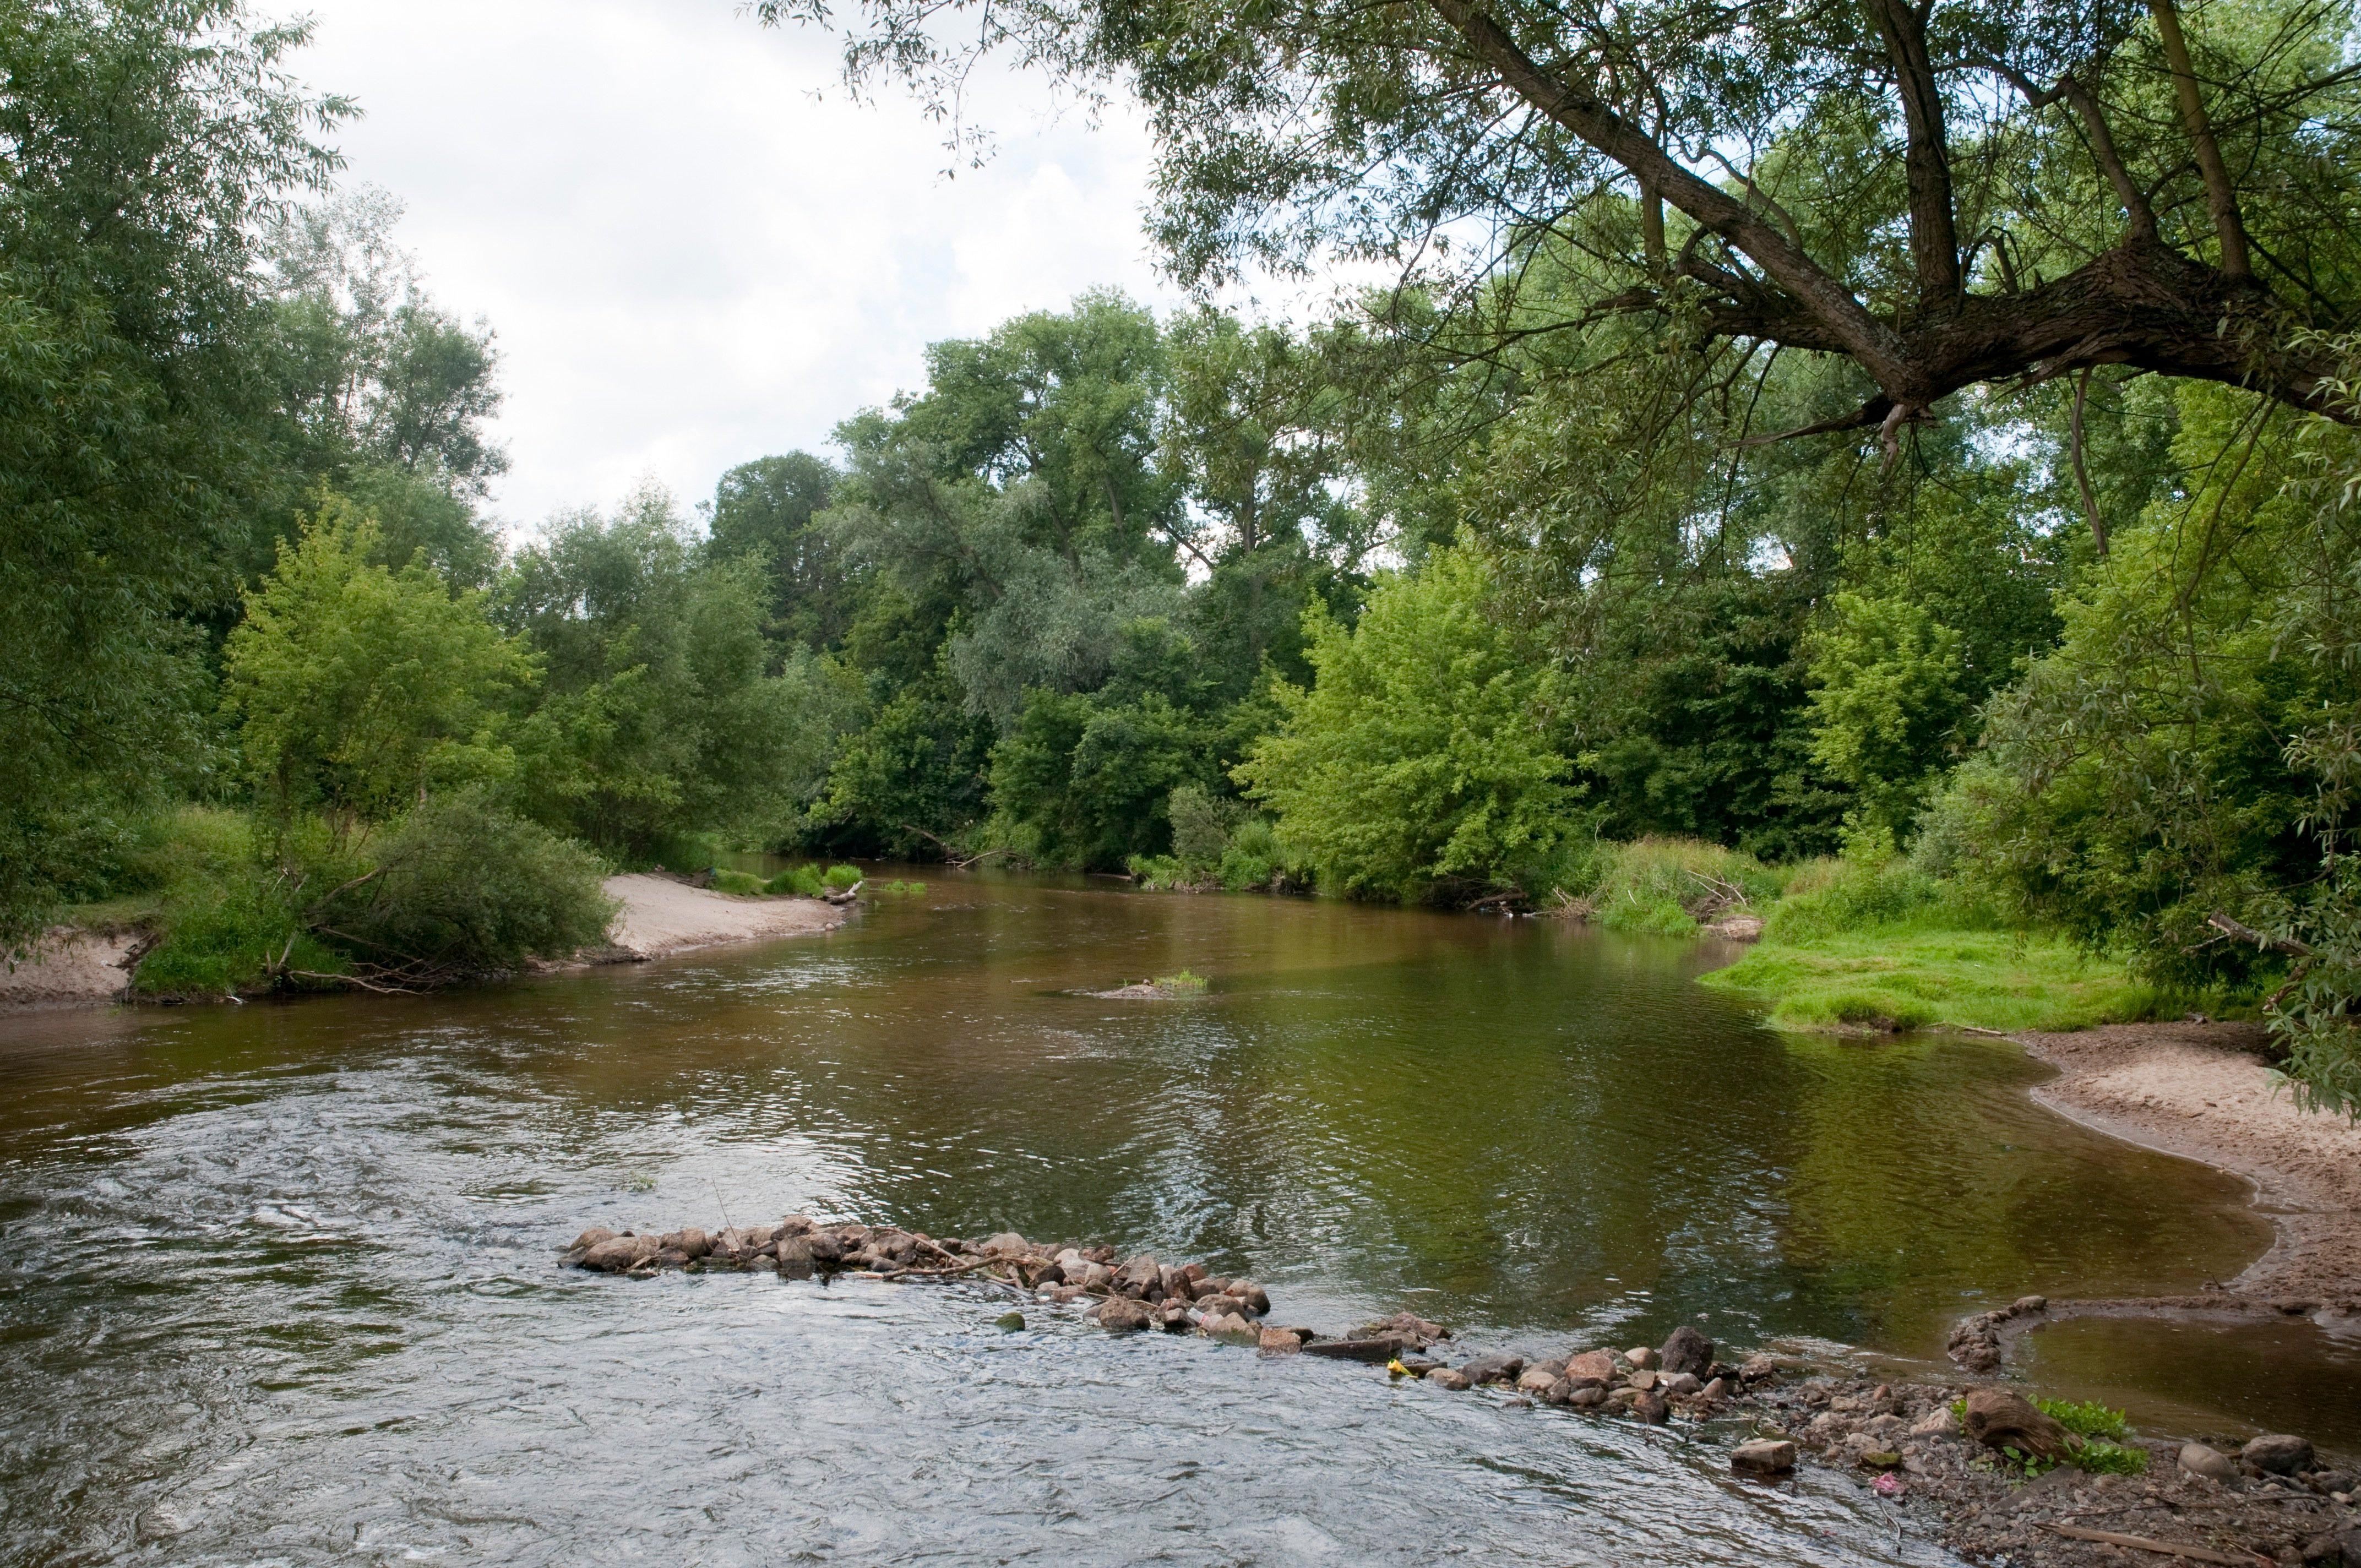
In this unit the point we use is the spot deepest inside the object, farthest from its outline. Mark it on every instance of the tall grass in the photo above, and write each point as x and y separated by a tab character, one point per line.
1662	886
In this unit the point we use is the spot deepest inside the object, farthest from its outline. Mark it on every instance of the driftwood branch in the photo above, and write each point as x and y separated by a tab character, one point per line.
2239	931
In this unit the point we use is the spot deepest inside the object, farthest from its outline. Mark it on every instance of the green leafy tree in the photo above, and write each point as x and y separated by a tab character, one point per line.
1891	699
767	512
139	144
361	689
662	712
1419	762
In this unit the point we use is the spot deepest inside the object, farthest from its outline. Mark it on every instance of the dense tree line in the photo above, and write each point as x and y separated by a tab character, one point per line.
1884	431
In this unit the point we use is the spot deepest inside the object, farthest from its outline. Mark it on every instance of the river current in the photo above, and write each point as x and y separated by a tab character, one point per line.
278	1282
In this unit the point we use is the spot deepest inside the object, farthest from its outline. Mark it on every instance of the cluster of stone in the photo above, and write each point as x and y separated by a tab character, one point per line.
1651	1385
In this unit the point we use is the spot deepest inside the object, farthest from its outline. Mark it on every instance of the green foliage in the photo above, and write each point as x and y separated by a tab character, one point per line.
227	937
1663	886
2087	1417
739	883
804	882
1417	764
461	886
665	711
769	512
1184	983
841	879
1892	693
144	141
361	688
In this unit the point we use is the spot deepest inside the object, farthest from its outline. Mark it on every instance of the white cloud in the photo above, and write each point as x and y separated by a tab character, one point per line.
691	261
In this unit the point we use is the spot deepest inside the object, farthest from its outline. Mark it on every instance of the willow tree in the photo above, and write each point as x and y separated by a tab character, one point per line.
1943	195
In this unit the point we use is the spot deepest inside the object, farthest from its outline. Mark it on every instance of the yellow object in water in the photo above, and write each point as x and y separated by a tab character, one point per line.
1397	1368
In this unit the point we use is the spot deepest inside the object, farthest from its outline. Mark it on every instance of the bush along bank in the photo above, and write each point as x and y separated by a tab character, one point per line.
1994	1473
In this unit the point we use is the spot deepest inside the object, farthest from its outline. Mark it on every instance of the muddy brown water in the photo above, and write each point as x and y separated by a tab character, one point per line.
278	1281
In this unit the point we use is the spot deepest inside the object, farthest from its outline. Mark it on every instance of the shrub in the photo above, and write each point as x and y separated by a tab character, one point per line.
237	936
2087	1419
841	879
739	883
802	880
1662	886
464	887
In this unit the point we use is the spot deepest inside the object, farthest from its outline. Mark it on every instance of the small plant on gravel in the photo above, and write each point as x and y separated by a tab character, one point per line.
2089	1419
1182	984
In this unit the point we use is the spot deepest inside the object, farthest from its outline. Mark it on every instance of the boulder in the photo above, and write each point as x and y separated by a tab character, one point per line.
1281	1341
670	1257
689	1243
1138	1276
1120	1314
825	1246
1175	1283
2026	1306
591	1238
1007	1243
1650	1407
792	1250
1595	1366
1498	1367
1643	1379
1999	1417
1376	1352
1537	1378
1686	1350
1172	1317
1246	1291
795	1225
1757	1367
2278	1454
1717	1389
1589	1396
1640	1356
1763	1456
2212	1463
1096	1278
1681	1385
1445	1377
1559	1392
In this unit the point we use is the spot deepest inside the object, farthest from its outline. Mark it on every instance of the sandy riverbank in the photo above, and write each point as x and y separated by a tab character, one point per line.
2203	1091
662	915
658	915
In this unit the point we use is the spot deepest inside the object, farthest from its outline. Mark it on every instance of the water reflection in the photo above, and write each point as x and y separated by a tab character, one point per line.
278	1278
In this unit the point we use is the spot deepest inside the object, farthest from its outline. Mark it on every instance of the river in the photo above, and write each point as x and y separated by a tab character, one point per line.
278	1280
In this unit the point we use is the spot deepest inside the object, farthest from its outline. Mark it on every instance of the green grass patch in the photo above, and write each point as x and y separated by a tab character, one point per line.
1663	887
738	883
2088	1419
1910	975
1182	984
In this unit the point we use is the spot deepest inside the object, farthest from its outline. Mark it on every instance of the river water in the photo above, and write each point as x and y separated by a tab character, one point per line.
278	1282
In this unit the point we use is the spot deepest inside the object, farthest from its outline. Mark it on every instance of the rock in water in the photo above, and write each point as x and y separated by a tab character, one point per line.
1688	1351
591	1238
612	1256
1681	1385
1999	1418
1763	1456
1445	1377
2278	1454
1121	1314
1498	1367
1009	1321
2200	1460
1591	1365
1640	1356
1281	1341
1650	1407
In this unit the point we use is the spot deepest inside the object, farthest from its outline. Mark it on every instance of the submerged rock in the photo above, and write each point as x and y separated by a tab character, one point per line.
1447	1378
1500	1366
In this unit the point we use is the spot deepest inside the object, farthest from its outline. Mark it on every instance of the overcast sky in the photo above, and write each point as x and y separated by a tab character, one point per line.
688	260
